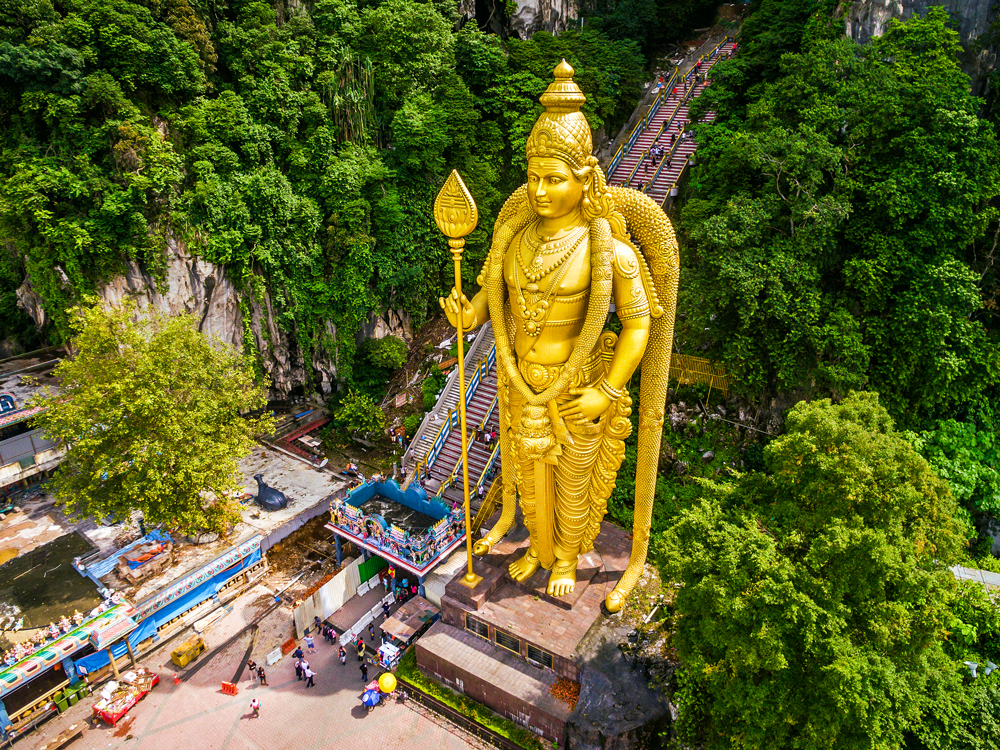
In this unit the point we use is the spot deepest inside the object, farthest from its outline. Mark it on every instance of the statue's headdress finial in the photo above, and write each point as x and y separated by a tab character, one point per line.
562	131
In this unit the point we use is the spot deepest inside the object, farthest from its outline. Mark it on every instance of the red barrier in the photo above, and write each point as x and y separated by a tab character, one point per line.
229	688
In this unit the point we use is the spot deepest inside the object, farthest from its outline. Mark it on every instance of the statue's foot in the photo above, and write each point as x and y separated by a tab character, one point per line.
480	548
524	568
614	601
562	581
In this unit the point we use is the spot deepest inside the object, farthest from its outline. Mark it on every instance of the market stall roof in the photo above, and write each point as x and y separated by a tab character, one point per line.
409	618
41	660
106	632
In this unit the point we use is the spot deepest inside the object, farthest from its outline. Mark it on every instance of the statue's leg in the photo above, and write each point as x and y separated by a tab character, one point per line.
573	478
508	470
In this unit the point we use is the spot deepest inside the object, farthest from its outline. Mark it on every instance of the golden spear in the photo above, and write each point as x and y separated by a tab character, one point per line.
456	215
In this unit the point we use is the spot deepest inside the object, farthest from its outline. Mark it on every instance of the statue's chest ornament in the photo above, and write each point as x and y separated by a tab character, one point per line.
533	303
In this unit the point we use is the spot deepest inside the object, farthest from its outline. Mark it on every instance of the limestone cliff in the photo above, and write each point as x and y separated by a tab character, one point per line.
529	15
195	286
972	18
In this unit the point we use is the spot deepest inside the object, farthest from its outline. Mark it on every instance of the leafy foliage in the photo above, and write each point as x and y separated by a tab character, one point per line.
149	415
359	412
814	597
835	219
300	149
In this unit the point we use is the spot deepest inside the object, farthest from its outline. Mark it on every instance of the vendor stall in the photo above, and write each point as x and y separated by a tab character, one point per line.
388	655
118	698
410	621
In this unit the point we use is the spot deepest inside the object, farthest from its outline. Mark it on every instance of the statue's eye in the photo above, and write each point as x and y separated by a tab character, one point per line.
532	178
555	180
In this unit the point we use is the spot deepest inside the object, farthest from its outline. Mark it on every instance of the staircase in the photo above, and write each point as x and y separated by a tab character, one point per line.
434	421
664	125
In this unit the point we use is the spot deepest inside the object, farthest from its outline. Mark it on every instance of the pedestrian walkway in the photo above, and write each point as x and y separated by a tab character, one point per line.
196	714
666	126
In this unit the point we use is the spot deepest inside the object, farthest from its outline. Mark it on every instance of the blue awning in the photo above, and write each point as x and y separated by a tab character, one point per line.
148	627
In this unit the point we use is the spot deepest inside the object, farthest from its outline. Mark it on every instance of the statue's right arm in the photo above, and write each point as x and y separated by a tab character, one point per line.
475	312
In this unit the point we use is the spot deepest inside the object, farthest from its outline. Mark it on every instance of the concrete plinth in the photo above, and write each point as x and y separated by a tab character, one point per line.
505	643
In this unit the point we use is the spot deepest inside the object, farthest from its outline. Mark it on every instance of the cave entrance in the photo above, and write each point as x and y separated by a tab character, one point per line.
491	17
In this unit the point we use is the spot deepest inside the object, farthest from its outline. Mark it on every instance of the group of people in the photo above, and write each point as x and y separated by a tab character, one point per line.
486	437
39	638
256	672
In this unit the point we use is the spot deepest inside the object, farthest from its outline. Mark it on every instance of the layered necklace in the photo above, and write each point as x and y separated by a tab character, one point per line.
543	250
533	313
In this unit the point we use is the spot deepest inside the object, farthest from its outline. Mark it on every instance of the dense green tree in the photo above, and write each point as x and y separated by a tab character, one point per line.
814	596
834	224
299	148
149	414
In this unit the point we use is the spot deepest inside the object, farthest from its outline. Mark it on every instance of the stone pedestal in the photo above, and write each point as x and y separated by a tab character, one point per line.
505	643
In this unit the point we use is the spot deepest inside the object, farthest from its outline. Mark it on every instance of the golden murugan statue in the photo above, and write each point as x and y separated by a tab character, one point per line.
566	246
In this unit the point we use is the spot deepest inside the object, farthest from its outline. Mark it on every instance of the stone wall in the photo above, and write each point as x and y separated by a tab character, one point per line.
494	678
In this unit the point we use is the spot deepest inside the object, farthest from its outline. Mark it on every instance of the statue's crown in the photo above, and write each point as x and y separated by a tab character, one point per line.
562	131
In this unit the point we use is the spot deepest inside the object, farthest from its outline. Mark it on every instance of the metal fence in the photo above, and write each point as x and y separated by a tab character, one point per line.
411	692
688	370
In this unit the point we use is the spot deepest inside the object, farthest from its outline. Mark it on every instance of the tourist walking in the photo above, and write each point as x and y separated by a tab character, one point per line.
364	672
252	666
310	644
385	610
361	648
262	675
298	670
371	631
343	656
255	708
309	676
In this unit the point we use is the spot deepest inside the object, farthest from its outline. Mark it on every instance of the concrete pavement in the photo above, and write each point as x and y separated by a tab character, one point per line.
196	715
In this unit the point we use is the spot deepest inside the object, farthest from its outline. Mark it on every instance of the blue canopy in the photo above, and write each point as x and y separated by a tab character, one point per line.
148	627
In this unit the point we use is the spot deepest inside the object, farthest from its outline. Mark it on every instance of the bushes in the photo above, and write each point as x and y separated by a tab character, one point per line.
389	352
412	423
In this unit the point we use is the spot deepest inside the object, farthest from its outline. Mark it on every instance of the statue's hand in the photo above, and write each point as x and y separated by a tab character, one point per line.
450	306
589	404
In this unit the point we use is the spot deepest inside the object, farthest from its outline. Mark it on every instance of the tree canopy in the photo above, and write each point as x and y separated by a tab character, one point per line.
837	219
300	147
149	414
814	600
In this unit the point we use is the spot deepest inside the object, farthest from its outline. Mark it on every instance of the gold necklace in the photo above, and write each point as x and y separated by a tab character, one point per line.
536	270
541	249
534	313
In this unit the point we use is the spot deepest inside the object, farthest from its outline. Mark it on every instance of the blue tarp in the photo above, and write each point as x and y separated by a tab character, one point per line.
148	626
105	566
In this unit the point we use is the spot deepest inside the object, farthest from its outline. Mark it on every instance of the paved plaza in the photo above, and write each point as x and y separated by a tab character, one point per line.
196	715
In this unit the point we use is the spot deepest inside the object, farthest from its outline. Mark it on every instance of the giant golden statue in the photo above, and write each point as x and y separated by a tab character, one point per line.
567	250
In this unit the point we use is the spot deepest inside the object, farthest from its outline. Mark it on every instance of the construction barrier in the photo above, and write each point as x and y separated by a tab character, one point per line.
229	688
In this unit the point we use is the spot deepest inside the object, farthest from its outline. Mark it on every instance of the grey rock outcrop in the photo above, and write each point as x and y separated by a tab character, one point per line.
196	286
542	15
867	19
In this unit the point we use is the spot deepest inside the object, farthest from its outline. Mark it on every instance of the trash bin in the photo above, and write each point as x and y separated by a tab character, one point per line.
60	700
187	652
73	698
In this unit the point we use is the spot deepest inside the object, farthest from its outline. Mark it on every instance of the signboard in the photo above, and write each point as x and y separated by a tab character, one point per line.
401	399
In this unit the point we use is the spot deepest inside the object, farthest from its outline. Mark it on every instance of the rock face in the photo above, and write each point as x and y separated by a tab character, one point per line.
530	16
870	18
542	15
195	286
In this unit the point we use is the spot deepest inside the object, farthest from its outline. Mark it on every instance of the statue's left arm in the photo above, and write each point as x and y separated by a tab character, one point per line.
632	305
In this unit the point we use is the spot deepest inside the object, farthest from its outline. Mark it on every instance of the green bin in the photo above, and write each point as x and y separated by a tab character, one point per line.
73	699
60	700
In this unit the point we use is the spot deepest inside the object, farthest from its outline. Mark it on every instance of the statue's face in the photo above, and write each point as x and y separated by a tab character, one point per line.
553	190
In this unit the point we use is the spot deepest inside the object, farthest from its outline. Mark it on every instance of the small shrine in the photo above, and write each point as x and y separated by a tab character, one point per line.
406	528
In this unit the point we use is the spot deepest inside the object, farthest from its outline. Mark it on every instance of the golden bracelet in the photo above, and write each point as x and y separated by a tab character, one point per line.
609	391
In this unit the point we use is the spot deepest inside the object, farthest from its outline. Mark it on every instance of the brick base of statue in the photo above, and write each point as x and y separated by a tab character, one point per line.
506	643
